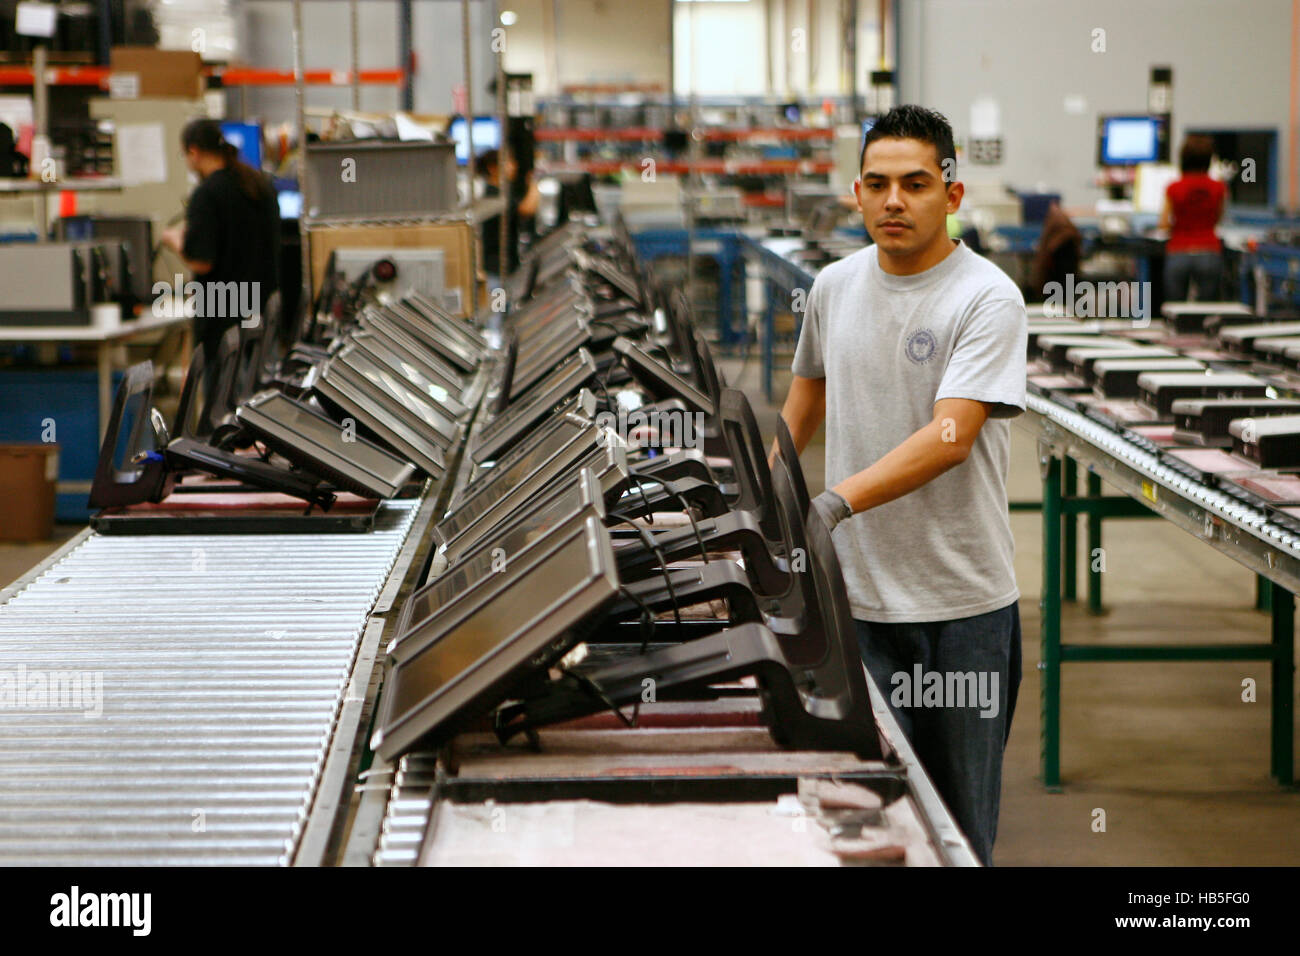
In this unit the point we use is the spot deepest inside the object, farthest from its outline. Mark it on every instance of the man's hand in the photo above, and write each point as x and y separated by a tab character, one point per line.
173	237
832	508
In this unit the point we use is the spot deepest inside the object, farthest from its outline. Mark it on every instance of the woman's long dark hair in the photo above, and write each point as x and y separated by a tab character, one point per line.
205	136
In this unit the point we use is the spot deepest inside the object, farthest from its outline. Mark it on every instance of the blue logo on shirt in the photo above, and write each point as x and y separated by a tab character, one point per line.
921	346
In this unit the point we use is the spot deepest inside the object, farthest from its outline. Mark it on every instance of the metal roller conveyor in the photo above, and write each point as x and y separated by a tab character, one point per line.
172	699
1232	511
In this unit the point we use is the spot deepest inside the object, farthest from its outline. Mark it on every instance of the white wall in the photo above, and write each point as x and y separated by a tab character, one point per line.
718	47
436	40
1231	61
600	41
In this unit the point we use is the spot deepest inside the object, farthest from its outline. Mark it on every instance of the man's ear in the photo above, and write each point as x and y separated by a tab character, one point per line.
955	193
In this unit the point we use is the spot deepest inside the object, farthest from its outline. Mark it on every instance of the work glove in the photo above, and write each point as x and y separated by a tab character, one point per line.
831	506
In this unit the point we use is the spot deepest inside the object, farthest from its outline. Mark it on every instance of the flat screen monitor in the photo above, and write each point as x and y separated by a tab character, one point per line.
658	377
1129	140
418	408
511	425
290	202
582	405
451	350
318	444
414	349
487	135
436	392
561	432
535	365
247	139
456	668
494	553
354	401
567	450
445	329
418	300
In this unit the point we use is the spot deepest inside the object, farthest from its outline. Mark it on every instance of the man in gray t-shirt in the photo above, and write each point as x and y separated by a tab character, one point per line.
913	352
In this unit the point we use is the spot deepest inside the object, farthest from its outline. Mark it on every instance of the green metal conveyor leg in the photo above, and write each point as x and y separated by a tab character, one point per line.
1282	762
1095	557
1263	593
1050	623
1070	542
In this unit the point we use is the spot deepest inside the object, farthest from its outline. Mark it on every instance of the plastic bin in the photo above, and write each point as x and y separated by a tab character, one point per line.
28	472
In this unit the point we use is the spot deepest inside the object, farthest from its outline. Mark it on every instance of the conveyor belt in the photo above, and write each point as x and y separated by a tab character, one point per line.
1248	519
222	659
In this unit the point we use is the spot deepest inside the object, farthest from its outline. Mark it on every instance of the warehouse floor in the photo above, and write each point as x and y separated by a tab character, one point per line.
1170	753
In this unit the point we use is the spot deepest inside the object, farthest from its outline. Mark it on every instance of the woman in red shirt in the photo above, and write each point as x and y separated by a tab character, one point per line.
1193	206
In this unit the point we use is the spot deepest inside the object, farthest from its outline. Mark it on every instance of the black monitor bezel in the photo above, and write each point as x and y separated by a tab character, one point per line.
548	633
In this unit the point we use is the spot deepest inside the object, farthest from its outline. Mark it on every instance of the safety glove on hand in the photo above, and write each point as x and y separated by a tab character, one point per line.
831	506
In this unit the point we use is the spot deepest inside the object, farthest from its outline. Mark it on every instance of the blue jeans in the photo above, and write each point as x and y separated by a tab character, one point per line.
1184	268
958	725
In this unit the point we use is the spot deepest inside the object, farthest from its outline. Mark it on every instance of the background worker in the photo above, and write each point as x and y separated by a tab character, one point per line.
231	234
1193	207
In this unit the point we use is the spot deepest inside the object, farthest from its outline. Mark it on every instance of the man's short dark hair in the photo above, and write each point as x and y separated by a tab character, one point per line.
916	122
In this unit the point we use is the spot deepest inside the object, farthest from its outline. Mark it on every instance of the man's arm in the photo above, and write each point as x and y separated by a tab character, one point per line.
174	239
804	411
926	454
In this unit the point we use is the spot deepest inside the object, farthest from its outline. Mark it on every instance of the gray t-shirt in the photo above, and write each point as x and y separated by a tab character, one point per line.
890	347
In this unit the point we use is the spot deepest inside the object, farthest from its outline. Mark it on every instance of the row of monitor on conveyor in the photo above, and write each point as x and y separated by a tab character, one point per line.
478	639
386	403
541	549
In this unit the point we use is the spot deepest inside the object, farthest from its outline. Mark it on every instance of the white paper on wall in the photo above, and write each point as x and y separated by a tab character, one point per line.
141	153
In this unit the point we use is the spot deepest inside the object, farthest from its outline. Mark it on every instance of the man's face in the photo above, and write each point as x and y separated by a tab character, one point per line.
192	158
903	197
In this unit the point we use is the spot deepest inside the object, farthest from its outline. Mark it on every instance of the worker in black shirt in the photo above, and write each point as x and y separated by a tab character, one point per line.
230	240
521	205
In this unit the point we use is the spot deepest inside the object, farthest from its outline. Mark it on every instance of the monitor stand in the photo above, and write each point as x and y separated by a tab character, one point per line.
816	701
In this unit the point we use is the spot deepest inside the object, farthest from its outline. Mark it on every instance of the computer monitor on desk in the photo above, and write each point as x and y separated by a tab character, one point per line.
486	132
1129	140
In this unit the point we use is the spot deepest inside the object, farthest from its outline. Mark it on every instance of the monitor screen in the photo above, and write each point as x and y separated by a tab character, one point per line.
496	552
290	201
311	440
487	135
437	391
510	426
462	665
247	138
451	350
392	431
414	349
383	379
566	432
1128	140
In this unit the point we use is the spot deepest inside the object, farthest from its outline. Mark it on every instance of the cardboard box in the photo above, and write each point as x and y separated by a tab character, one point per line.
455	239
28	473
170	73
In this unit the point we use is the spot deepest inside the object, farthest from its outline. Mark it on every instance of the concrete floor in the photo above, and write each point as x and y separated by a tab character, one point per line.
1172	755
